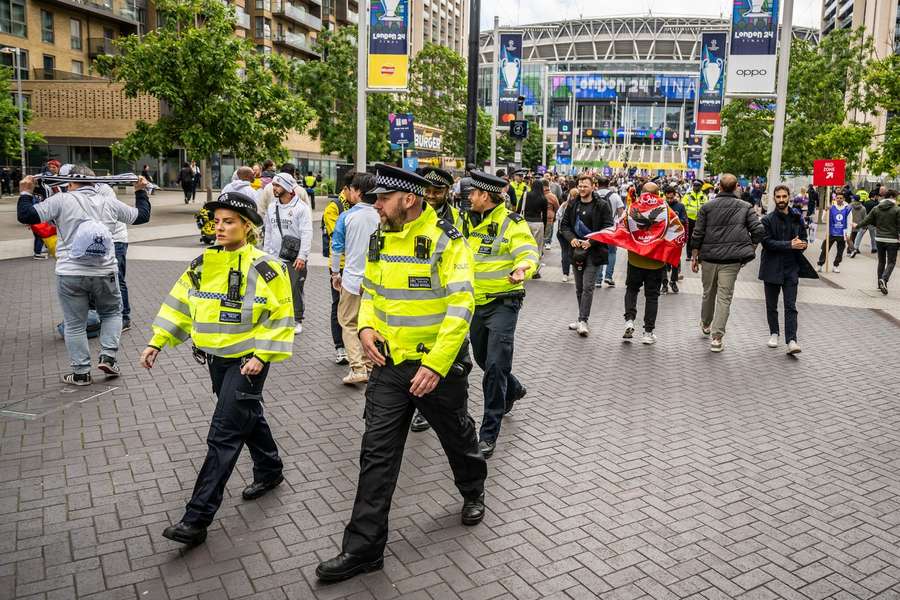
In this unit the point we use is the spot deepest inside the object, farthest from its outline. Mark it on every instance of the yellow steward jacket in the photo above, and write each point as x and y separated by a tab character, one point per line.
501	243
692	203
260	322
520	188
329	220
417	291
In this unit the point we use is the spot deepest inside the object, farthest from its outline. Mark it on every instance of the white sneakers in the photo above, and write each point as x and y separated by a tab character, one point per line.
340	356
583	328
298	328
717	344
565	279
704	329
573	326
648	338
773	341
629	330
837	269
354	377
793	347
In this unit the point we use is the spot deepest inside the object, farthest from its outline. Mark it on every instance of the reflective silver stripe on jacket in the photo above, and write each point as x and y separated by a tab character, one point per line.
174	303
248	345
171	328
409	321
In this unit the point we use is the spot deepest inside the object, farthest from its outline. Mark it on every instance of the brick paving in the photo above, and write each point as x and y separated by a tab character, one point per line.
627	472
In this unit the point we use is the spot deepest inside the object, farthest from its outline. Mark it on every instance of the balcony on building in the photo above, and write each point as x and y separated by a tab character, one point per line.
242	19
296	14
344	12
123	14
295	41
57	75
100	46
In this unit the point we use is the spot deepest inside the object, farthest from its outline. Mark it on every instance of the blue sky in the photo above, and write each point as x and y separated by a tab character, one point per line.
520	12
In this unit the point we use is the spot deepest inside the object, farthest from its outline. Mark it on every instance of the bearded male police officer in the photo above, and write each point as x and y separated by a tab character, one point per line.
437	195
417	302
506	254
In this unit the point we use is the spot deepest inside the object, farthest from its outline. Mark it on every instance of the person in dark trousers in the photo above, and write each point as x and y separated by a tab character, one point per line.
838	230
886	219
673	272
585	213
783	243
534	209
196	180
186	181
145	173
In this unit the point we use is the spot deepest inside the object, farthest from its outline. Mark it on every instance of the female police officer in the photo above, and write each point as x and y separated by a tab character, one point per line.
234	302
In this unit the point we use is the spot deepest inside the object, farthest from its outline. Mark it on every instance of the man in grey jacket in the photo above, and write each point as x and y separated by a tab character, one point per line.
723	240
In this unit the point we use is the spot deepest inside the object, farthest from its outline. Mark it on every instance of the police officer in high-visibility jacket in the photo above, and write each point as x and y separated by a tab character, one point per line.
693	201
234	303
506	254
437	195
416	306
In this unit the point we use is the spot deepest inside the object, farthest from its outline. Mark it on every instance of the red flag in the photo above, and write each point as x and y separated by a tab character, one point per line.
648	228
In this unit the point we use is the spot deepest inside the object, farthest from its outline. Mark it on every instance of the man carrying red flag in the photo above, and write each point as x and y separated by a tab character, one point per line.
653	236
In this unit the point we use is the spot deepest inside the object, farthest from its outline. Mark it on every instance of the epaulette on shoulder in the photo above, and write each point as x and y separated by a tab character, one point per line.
448	228
197	262
516	217
264	269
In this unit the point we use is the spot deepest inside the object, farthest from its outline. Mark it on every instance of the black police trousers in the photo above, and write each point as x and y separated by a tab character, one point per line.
237	420
493	332
389	410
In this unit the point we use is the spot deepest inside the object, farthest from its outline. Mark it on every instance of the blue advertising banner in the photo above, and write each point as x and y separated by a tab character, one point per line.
401	128
564	143
712	84
694	154
510	69
754	40
598	86
388	44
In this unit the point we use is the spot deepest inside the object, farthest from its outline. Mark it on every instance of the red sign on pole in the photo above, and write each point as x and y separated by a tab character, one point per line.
829	172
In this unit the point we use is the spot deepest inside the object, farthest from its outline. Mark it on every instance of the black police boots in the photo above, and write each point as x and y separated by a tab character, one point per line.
473	510
344	566
512	401
419	423
185	533
259	488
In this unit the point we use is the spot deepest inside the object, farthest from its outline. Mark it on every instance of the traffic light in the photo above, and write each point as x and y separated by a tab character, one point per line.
520	103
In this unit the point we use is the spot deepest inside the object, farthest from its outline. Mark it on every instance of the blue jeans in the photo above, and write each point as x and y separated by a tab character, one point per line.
75	295
859	237
609	267
121	251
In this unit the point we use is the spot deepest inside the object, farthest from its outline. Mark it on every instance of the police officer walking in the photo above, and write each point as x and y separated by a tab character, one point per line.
506	254
437	195
416	307
240	299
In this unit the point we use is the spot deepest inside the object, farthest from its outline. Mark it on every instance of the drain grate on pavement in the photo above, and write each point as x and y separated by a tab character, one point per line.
40	404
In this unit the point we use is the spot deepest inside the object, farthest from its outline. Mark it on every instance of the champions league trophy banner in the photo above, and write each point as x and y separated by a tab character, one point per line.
510	84
754	41
712	83
388	45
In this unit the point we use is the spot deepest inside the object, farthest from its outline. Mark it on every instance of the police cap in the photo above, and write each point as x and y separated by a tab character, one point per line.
391	179
487	182
437	177
239	203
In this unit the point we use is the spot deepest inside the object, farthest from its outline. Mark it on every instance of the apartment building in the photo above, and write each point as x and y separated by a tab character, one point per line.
442	22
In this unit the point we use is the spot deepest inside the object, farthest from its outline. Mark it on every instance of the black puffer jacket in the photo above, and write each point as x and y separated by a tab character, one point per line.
727	230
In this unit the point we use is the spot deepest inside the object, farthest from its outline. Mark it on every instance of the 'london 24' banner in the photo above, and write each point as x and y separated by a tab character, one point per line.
712	83
388	45
754	40
510	69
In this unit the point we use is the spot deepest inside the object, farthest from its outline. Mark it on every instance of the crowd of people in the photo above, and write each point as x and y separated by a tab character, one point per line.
428	274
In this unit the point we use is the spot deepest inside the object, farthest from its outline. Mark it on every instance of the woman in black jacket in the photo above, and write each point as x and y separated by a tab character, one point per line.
186	180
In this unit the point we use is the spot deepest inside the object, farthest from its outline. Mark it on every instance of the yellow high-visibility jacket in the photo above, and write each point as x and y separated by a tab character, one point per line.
421	302
329	222
692	203
452	214
501	243
261	322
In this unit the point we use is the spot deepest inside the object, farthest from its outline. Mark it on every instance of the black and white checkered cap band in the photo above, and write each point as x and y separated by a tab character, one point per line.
401	185
435	177
487	187
237	200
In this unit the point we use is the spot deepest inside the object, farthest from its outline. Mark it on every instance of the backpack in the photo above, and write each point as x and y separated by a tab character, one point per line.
326	239
92	242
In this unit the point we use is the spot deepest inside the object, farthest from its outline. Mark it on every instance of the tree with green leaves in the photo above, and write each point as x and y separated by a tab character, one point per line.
531	147
824	112
216	91
437	94
883	79
9	120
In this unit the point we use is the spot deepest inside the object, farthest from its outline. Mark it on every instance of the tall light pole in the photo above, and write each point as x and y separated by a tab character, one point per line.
495	93
472	89
19	101
773	178
362	54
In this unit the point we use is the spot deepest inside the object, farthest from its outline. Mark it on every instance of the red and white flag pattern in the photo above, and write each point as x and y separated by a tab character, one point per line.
648	228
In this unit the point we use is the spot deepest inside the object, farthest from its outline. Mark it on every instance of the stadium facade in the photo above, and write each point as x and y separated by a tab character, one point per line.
628	83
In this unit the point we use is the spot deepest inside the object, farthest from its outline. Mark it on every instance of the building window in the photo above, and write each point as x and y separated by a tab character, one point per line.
263	28
78	67
7	60
75	33
12	17
49	62
46	26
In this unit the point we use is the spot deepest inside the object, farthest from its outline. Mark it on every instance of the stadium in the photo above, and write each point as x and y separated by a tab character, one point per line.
634	81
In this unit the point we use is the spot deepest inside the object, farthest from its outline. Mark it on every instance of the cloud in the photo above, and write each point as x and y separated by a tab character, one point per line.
521	12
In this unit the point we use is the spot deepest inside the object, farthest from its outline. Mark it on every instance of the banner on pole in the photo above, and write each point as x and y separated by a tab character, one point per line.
401	128
829	172
564	143
388	68
712	83
510	68
752	54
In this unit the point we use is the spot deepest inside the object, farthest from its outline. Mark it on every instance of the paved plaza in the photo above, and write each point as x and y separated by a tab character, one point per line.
628	471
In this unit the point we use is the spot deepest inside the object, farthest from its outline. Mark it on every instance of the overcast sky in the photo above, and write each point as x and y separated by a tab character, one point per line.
520	12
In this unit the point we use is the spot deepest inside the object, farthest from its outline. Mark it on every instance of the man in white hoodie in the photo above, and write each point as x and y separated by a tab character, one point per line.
289	236
266	195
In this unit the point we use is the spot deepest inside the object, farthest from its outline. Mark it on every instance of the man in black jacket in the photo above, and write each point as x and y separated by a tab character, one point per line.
784	240
724	240
585	214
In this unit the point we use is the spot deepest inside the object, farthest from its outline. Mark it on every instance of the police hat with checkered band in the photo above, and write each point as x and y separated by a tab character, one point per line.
239	203
437	177
487	182
391	179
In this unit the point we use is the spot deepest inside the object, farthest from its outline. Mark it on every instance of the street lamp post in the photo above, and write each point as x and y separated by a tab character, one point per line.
19	101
